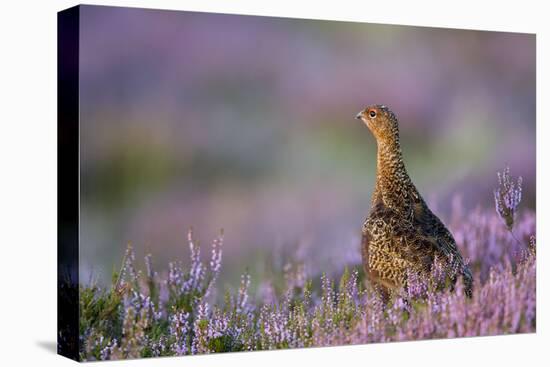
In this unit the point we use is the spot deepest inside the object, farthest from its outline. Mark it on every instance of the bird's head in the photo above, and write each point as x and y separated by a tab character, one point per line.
381	121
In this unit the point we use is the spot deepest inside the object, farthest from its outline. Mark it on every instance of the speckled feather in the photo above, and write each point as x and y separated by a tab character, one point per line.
401	234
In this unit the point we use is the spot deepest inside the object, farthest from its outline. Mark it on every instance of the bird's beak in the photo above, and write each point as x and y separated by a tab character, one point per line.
359	116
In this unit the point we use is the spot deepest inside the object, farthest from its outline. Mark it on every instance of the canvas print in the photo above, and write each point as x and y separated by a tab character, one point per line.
235	183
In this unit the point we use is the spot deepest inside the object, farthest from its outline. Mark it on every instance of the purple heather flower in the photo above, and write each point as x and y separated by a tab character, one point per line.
196	274
352	289
507	197
417	285
243	293
160	347
107	351
175	275
216	260
215	263
179	330
327	293
149	266
200	327
128	269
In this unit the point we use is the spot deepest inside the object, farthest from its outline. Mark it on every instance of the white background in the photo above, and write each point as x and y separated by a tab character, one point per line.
28	181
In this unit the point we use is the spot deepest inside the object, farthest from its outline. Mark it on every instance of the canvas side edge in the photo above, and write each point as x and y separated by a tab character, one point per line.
68	22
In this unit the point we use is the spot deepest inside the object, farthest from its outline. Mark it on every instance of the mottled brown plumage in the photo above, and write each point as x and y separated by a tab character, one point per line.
401	234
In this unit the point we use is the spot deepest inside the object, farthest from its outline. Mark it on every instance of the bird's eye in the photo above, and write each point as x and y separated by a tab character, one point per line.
372	113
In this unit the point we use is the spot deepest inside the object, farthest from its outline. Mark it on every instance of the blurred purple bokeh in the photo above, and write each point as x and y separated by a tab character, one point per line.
247	123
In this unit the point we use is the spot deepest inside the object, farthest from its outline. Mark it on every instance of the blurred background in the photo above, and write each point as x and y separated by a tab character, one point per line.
247	123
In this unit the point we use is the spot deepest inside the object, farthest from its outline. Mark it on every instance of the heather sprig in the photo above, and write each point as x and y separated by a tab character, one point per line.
507	197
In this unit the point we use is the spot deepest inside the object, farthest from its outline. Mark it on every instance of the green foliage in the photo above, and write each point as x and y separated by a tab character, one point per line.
100	310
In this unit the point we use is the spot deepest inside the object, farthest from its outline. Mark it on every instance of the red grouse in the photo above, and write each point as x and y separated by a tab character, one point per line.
401	235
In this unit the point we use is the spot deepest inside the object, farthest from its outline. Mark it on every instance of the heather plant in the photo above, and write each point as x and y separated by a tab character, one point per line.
143	314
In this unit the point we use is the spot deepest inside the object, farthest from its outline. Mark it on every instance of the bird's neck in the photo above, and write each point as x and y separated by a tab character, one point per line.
392	180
